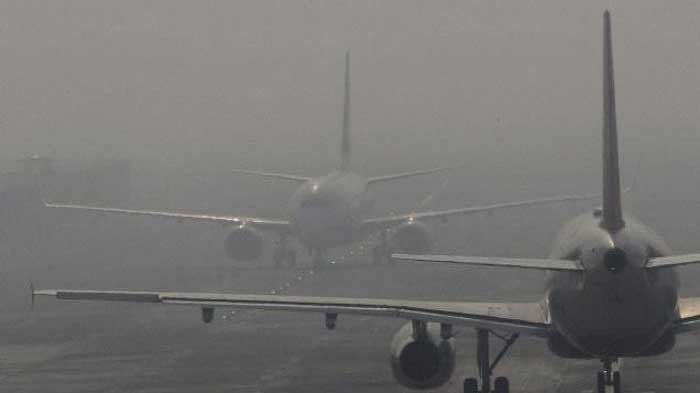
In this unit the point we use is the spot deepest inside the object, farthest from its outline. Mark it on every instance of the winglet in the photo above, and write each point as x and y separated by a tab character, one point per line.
345	143
612	205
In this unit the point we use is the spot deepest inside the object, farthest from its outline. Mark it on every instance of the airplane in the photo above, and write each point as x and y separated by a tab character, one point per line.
329	212
612	292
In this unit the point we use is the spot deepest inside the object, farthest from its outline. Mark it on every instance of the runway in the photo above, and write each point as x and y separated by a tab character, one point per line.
83	347
96	347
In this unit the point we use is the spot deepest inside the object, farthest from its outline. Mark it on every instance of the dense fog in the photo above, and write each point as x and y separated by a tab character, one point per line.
181	92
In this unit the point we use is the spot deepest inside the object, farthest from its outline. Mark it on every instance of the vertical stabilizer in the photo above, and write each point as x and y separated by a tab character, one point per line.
612	206
345	143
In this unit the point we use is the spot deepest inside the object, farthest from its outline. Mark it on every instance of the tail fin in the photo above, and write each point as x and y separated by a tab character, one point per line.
612	206
345	143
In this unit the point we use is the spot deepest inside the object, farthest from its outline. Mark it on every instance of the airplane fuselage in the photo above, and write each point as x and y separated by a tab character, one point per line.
615	307
328	212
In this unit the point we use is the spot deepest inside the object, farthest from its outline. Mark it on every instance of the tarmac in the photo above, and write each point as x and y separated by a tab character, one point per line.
72	347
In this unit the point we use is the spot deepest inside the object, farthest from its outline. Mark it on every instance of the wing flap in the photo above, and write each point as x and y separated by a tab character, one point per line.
688	315
524	263
525	318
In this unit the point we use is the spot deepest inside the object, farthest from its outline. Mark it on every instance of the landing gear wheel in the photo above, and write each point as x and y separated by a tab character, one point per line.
600	382
486	366
471	385
292	258
319	263
501	385
616	382
378	255
389	260
278	256
381	251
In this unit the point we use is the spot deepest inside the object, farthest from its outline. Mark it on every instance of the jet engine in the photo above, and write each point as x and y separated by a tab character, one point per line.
244	244
411	237
422	360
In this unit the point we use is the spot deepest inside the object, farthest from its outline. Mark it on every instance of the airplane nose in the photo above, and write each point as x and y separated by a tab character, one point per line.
615	260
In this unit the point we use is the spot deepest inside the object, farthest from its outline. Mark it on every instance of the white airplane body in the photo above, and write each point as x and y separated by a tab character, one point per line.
328	212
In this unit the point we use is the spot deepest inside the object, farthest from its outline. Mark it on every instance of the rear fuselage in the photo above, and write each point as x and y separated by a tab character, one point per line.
615	307
328	212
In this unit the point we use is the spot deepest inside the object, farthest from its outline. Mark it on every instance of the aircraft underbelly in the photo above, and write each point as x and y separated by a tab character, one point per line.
325	228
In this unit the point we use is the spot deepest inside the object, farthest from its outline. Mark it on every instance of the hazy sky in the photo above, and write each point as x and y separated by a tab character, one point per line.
258	83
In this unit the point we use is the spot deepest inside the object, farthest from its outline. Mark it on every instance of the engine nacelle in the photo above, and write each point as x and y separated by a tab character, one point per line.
244	244
412	237
422	362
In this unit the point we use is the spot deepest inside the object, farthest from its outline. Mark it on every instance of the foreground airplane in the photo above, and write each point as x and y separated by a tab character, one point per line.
330	211
612	292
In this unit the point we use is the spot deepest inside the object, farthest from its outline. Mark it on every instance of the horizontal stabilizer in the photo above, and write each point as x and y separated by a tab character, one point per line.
523	263
284	176
674	260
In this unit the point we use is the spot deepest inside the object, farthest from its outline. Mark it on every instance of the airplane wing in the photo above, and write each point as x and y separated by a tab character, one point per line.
386	178
274	175
262	223
688	315
524	318
523	263
376	224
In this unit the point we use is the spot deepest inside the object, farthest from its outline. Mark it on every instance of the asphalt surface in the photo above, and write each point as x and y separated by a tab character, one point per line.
108	347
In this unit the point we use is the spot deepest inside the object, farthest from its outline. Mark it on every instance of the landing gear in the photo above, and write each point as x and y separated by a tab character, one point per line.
608	377
501	385
471	385
380	252
284	253
278	256
486	367
319	262
292	257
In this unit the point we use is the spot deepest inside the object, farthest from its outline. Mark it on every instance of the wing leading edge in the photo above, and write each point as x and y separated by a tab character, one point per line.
388	178
262	223
524	318
375	224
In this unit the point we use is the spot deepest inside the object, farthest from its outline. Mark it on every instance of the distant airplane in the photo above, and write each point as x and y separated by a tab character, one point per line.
612	293
329	212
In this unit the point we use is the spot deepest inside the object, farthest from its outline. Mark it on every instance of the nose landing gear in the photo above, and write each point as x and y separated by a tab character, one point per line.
283	252
486	367
318	260
608	377
381	252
